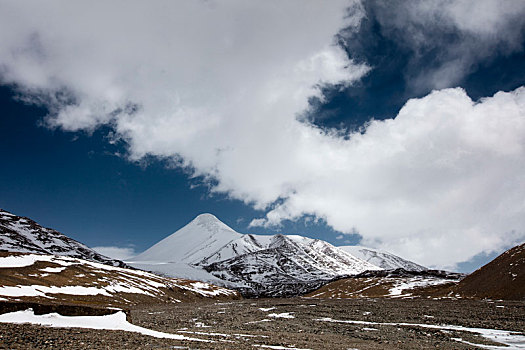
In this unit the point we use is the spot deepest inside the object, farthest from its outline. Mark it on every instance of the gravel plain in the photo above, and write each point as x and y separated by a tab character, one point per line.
294	323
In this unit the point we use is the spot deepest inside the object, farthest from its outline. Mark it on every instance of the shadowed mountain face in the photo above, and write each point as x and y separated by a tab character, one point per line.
256	265
502	278
20	234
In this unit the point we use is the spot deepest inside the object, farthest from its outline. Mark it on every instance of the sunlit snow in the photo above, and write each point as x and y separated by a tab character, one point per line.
116	321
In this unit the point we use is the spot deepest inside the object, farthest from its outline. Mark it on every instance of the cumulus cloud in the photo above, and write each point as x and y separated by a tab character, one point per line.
119	253
220	86
439	183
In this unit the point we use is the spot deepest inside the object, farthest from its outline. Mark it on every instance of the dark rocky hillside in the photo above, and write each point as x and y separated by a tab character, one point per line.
21	234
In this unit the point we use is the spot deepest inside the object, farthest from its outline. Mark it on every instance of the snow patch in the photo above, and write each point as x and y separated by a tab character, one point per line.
512	340
282	315
116	321
23	260
266	309
53	269
416	282
41	291
278	347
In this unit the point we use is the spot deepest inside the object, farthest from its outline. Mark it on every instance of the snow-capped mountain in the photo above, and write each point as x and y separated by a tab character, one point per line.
20	234
209	250
200	239
288	265
384	260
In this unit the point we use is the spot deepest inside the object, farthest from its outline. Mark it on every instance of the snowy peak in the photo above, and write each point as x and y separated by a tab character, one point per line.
278	241
199	239
21	234
210	223
384	260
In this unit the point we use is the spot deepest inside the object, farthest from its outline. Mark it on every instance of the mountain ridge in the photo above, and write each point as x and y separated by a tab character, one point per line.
383	259
24	235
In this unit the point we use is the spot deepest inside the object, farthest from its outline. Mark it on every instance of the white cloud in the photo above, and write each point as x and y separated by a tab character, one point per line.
438	184
116	252
219	86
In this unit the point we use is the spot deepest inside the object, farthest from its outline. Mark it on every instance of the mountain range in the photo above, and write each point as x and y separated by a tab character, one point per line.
255	265
42	266
258	265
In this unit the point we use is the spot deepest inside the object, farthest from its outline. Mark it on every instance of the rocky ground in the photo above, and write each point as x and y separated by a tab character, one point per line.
302	323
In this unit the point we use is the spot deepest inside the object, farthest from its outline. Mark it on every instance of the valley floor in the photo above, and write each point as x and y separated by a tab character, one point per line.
298	323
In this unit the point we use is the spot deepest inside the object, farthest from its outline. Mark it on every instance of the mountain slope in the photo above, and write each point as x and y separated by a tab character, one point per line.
21	234
384	260
397	283
257	265
287	267
502	278
204	236
60	280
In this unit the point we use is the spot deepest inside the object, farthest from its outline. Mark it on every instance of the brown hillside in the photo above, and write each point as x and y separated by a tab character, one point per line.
502	278
390	284
51	279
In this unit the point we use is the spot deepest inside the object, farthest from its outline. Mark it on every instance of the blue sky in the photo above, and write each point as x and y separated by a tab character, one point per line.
383	119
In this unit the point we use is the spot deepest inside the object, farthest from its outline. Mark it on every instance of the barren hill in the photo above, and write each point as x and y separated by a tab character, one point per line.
502	278
51	279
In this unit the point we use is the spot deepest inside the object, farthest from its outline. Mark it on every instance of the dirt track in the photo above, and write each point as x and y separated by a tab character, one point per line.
290	323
